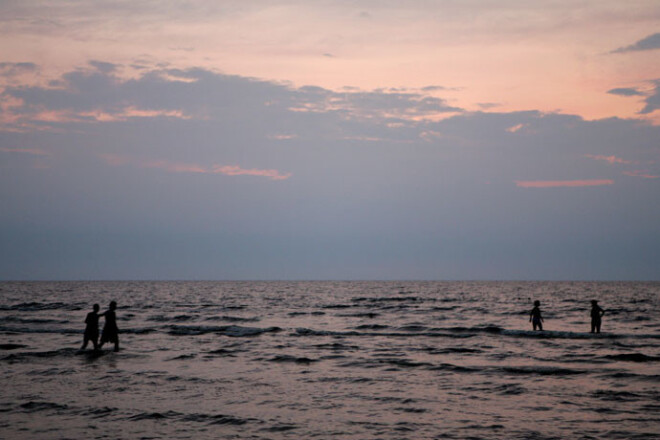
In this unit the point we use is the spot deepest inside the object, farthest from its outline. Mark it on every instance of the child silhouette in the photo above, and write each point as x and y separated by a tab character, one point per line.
92	328
110	330
596	315
535	316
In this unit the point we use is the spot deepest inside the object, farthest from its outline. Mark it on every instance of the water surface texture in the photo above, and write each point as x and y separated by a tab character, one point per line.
345	360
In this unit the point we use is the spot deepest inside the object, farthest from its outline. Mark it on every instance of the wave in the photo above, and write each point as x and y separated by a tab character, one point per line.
540	370
292	359
337	346
176	318
451	350
379	362
32	320
226	330
215	419
222	352
413	328
632	357
467	332
11	346
390	299
37	406
372	327
183	357
67	352
38	306
627	376
17	330
359	315
619	396
98	413
69	331
232	319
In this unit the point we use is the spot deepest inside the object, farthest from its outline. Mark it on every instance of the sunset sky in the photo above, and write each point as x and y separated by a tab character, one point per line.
330	139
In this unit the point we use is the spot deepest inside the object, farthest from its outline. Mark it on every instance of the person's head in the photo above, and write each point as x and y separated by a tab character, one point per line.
537	303
96	307
113	305
594	302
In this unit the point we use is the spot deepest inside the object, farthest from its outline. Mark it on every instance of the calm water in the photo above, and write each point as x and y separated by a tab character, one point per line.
347	360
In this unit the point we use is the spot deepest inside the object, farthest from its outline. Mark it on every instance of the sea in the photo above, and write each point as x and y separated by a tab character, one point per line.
322	360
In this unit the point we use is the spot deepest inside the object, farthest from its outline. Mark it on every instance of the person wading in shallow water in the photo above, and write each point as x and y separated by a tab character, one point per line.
535	316
596	315
110	330
92	328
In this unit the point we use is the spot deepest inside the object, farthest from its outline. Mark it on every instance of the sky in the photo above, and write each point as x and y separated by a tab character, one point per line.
286	140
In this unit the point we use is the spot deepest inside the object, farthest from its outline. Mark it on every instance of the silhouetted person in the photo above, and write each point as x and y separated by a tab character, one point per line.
596	315
110	330
535	316
92	328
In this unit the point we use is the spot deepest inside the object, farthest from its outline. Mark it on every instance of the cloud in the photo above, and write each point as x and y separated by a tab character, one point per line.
562	183
234	170
97	93
641	173
610	159
14	69
104	67
649	43
181	167
515	128
488	105
626	91
653	100
433	88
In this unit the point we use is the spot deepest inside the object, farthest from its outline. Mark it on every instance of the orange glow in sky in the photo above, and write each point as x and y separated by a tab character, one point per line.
506	56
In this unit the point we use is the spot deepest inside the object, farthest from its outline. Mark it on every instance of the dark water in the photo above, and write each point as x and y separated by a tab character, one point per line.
347	360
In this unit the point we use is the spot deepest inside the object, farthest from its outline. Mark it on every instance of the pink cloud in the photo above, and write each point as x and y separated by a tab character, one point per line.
562	183
641	173
234	170
181	167
610	159
515	128
175	167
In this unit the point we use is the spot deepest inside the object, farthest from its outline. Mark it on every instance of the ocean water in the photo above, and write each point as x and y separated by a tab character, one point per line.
343	360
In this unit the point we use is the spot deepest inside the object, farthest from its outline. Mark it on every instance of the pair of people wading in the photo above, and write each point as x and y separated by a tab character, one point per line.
110	330
596	314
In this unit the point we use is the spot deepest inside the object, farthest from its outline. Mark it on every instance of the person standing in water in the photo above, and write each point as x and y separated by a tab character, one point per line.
535	316
596	315
92	328
110	330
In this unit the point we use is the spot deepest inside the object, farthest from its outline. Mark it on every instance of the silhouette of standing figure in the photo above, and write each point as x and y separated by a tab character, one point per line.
535	316
110	330
596	315
92	328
